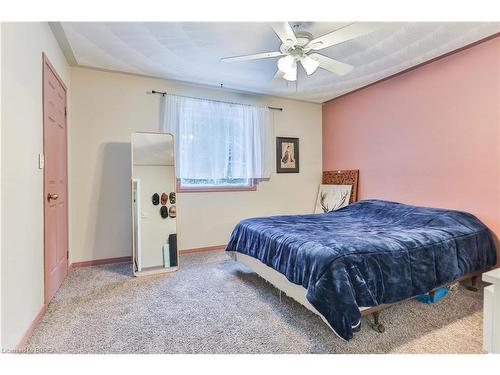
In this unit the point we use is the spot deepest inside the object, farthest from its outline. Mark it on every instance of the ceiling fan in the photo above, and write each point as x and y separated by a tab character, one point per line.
301	47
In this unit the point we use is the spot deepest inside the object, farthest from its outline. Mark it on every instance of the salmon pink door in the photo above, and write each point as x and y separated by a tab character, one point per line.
55	180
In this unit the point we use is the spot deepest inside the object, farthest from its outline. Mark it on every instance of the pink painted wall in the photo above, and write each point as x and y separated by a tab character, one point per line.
430	136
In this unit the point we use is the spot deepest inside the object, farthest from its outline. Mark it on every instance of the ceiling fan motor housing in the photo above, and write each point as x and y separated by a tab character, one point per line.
298	49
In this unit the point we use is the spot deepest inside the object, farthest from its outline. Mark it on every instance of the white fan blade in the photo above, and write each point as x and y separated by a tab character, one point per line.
256	56
284	32
332	65
344	34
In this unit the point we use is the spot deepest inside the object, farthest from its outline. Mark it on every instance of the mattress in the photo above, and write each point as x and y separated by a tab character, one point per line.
369	253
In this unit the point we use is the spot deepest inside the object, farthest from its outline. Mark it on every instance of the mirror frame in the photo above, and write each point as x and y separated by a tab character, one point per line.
154	270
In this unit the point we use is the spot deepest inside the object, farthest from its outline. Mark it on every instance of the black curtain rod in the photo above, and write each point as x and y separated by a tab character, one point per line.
163	93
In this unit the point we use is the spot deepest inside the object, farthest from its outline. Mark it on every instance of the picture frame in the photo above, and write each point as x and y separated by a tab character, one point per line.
287	155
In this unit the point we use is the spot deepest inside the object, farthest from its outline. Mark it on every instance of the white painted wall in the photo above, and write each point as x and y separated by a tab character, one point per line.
108	107
154	229
22	283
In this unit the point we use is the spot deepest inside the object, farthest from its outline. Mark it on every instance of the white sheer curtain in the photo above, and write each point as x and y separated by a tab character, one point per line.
217	140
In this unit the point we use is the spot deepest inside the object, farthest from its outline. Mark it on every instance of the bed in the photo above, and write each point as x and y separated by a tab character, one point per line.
363	257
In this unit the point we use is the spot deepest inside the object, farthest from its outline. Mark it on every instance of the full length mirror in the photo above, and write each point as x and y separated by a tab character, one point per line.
154	245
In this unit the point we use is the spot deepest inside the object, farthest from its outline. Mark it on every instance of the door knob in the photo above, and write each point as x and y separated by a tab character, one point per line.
52	196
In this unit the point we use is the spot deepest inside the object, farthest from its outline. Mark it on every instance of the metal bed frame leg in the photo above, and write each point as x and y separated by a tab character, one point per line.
377	326
474	284
358	328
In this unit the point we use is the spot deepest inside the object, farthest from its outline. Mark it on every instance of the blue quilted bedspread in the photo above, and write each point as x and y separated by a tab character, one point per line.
368	253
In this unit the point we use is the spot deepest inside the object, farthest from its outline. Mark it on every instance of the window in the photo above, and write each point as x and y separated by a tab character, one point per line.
221	184
219	146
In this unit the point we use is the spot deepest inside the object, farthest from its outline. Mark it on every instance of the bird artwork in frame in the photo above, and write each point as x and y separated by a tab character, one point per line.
287	155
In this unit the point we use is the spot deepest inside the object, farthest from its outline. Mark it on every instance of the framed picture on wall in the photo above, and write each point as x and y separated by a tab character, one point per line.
287	155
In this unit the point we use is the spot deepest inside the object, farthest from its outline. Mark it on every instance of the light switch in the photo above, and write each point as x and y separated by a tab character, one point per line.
41	161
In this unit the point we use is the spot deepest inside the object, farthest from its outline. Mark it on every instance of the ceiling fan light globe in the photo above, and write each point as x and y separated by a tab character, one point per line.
310	65
291	75
286	63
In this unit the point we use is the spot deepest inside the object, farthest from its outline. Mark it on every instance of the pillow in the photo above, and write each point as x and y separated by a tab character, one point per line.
332	197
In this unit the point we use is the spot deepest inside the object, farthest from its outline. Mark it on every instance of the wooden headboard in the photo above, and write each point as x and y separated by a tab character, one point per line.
347	177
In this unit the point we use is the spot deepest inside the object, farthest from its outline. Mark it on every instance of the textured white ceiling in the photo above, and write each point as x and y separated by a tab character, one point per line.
191	52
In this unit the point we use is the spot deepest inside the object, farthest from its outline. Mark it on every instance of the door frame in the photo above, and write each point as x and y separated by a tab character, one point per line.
46	62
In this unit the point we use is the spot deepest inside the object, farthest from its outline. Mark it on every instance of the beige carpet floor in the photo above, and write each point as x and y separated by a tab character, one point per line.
216	305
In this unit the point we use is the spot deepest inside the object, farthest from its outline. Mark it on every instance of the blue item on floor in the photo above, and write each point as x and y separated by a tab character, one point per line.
440	293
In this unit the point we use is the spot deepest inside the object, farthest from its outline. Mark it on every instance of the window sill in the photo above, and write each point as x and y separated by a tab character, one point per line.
214	189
